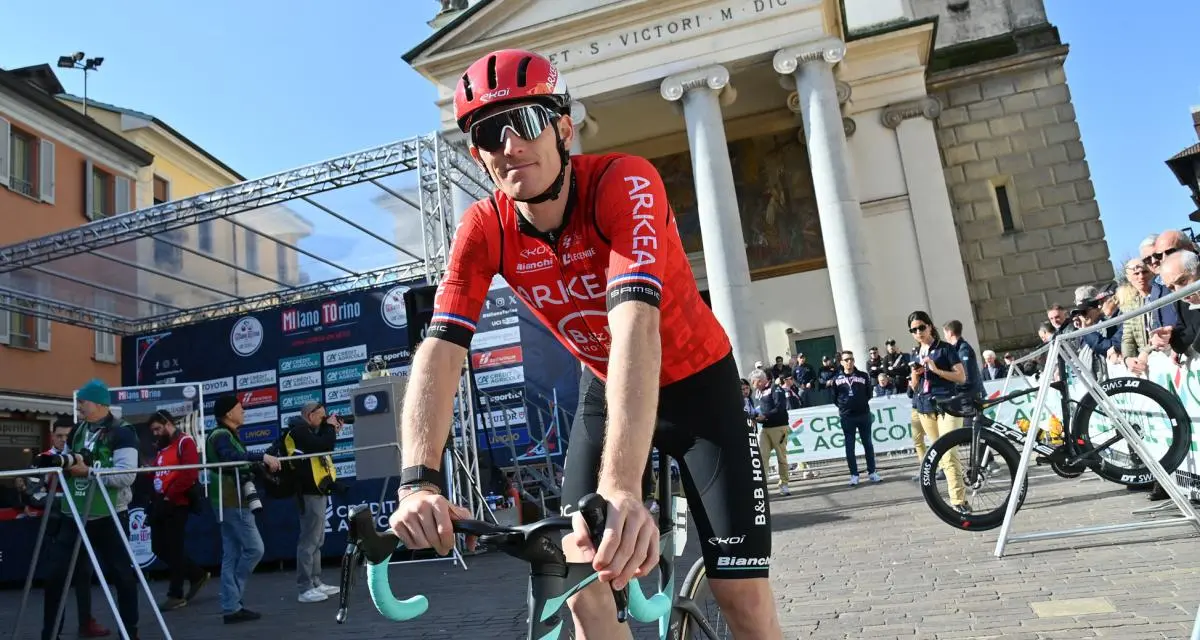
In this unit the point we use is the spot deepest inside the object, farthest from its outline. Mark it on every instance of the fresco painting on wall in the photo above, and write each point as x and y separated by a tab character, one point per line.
775	197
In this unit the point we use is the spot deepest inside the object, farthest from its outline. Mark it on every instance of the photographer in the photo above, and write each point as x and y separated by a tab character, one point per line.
99	441
313	431
174	497
81	582
236	501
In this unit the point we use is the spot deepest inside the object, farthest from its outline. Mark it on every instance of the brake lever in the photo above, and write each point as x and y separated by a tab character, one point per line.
350	563
594	509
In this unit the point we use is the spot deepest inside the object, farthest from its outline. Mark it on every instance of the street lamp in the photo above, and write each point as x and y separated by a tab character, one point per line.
77	61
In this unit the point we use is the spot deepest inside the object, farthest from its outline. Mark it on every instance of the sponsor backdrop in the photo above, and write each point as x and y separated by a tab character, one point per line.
514	410
276	360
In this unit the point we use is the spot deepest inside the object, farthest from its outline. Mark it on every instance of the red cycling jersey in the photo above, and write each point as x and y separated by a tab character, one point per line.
618	242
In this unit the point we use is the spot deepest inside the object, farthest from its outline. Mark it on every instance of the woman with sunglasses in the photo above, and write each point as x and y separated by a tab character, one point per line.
589	243
936	374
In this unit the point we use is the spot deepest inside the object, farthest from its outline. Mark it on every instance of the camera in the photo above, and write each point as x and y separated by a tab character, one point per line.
250	498
63	461
347	419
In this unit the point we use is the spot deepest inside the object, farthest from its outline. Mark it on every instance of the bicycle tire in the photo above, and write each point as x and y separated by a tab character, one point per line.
946	512
1181	430
694	585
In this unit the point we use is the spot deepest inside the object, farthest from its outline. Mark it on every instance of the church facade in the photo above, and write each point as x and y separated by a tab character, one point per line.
833	164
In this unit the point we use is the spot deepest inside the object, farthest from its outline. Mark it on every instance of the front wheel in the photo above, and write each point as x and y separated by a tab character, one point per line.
980	504
691	622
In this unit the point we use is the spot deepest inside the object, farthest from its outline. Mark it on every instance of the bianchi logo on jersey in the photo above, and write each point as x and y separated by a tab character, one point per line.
731	561
540	265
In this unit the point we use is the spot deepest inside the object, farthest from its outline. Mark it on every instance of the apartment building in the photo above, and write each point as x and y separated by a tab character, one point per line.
58	170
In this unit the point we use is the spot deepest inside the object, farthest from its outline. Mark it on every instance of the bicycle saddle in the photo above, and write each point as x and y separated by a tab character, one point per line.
960	406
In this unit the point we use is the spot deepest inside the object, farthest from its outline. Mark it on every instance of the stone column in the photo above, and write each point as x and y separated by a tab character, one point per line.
945	279
701	92
833	178
579	118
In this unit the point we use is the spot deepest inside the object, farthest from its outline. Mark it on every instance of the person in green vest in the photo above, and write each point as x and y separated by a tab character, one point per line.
103	442
241	543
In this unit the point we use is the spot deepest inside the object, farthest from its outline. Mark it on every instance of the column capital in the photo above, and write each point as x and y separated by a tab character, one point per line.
843	91
849	126
927	107
578	112
714	77
831	50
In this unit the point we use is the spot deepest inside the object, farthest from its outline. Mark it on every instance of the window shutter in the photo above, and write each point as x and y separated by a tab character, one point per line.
43	334
121	199
5	132
46	171
88	194
5	314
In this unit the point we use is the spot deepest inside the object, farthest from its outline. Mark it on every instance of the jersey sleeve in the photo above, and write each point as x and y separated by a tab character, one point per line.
633	213
465	285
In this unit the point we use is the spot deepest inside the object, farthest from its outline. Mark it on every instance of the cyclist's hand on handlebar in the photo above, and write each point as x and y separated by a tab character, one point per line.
423	519
629	548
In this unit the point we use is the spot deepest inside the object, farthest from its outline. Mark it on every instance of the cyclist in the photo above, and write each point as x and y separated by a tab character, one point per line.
589	243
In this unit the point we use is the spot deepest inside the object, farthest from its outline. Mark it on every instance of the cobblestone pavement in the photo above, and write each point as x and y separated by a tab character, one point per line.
871	562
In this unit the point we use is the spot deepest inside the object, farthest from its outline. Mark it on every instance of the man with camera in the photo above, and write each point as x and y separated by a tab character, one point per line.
38	491
313	431
99	441
236	500
176	496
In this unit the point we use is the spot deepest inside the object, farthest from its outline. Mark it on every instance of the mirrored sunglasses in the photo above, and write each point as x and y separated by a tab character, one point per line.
526	121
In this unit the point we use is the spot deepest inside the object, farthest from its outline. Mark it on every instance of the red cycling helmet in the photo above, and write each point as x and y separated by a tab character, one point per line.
505	76
511	75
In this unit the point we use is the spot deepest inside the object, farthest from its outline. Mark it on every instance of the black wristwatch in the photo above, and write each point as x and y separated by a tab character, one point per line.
421	475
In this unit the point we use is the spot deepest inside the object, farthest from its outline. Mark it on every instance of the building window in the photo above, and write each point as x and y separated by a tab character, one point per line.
22	330
22	153
168	254
102	194
162	190
251	262
281	263
105	343
204	236
1004	206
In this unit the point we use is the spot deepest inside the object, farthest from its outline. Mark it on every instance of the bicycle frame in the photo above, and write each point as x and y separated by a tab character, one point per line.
1070	446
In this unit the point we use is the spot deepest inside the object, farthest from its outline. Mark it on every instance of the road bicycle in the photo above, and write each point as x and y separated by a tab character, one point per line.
552	580
1086	443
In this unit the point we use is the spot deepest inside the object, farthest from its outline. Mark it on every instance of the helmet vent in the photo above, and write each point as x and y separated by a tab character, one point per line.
522	70
466	81
492	83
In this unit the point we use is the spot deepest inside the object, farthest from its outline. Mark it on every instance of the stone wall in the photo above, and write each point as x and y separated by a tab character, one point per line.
1011	122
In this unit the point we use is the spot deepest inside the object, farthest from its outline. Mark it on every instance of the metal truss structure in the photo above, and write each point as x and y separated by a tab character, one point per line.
441	166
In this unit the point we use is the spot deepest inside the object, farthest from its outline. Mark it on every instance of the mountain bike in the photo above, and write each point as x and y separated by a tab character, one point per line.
1087	443
552	580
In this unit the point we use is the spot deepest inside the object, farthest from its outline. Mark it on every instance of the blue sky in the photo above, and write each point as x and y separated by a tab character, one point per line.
268	85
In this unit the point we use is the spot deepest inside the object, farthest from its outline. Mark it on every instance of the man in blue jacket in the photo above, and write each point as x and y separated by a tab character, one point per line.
852	393
772	417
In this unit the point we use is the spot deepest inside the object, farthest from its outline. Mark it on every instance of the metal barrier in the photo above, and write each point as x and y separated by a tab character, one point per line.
1061	347
95	479
58	480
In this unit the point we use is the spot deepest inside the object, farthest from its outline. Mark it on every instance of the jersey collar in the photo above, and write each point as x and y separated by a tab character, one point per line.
550	237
